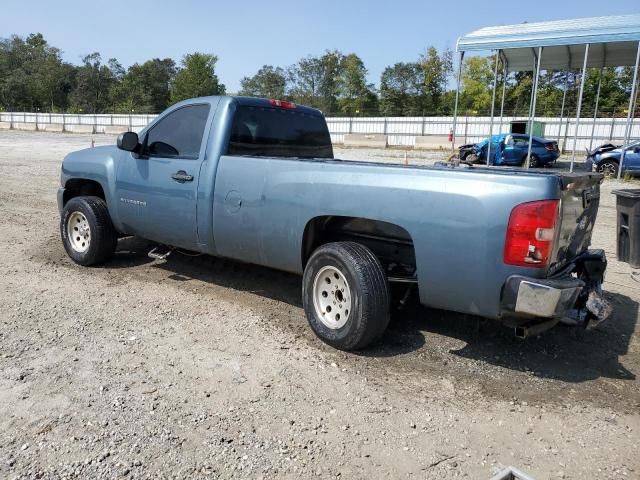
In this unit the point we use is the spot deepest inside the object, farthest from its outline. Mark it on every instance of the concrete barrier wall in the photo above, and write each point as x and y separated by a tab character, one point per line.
365	140
432	142
25	126
80	128
53	127
115	129
5	125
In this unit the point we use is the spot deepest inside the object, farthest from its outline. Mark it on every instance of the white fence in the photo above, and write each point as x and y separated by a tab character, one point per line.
133	122
401	131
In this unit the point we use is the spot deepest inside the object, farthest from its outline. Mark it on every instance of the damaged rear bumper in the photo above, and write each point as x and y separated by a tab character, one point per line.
539	297
573	295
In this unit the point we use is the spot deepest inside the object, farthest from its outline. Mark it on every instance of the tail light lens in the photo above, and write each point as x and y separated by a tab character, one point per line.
530	233
551	146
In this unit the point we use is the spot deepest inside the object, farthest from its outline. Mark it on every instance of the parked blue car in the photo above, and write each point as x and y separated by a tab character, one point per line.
511	149
606	159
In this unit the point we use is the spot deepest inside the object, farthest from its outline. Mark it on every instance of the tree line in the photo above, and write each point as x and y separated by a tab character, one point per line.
34	77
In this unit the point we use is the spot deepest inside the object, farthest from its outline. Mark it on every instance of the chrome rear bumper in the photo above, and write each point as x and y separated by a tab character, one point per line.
575	296
540	298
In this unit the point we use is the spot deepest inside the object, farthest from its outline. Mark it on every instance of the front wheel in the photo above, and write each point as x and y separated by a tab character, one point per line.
346	295
87	233
608	168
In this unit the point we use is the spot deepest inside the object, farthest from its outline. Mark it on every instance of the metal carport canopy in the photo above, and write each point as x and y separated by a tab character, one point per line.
613	42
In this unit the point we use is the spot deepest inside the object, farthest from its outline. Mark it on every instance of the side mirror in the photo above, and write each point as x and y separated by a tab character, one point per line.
128	141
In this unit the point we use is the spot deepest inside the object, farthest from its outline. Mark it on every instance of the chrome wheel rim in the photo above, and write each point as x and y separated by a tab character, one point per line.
609	169
332	297
78	232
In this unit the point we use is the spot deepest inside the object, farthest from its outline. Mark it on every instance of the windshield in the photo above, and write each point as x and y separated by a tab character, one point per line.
279	132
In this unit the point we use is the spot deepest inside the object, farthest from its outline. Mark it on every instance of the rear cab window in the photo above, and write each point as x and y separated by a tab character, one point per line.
261	131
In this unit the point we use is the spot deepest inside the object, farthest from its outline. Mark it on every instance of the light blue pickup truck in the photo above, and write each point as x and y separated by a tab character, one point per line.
255	180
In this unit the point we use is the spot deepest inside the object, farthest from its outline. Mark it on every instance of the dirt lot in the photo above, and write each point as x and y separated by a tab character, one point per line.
197	367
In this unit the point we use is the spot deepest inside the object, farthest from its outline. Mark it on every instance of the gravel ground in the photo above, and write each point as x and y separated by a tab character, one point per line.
197	367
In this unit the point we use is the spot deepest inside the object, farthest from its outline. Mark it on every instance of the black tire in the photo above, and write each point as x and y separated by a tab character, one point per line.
369	302
103	235
533	162
609	168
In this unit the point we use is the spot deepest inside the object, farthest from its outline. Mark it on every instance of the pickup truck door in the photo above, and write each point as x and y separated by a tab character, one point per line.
157	190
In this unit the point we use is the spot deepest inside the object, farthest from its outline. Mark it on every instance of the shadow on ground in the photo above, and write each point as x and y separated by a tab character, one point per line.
564	353
570	354
131	251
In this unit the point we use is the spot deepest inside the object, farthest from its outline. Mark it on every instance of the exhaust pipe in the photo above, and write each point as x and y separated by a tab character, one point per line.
533	329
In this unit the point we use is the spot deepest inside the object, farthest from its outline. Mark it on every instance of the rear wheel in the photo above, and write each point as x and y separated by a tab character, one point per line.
345	295
533	161
87	233
609	168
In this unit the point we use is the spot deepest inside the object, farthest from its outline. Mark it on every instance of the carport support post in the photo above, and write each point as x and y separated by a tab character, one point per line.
575	133
564	98
635	103
595	110
455	107
627	130
532	109
504	87
493	102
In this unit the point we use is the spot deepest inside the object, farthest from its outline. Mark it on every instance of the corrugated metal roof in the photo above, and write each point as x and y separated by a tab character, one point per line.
613	42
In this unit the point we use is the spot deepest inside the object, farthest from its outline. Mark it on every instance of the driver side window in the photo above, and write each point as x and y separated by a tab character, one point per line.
179	134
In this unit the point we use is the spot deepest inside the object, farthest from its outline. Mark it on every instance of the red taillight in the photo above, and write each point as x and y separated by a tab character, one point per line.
530	233
282	104
550	146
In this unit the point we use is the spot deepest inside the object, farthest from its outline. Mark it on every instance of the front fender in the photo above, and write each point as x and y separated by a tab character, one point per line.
99	165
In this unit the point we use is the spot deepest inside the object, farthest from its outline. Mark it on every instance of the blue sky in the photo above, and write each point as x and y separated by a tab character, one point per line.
250	33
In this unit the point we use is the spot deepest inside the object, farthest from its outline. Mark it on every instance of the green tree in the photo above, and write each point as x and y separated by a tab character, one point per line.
196	78
33	75
144	88
400	90
269	82
448	96
434	80
305	78
477	75
549	95
613	90
355	95
94	81
315	81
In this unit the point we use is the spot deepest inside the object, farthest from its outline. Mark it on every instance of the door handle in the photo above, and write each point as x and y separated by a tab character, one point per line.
181	176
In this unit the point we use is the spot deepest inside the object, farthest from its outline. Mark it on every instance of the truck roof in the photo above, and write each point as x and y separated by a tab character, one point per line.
253	102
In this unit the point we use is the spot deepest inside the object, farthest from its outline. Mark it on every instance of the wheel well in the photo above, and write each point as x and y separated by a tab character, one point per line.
77	187
391	243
